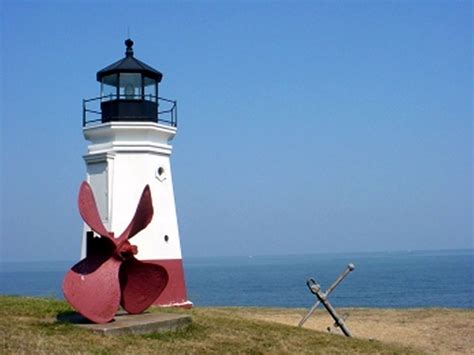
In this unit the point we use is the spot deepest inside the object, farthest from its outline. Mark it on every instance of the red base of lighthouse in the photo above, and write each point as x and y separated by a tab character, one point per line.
174	295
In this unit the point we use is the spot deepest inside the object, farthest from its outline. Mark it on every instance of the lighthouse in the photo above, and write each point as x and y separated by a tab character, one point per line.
129	128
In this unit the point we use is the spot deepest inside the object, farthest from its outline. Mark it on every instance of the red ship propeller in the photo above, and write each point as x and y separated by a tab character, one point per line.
110	275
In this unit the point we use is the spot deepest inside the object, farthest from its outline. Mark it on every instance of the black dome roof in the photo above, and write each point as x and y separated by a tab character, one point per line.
129	64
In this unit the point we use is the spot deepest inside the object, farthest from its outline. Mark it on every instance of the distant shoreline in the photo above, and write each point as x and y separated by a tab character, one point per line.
469	251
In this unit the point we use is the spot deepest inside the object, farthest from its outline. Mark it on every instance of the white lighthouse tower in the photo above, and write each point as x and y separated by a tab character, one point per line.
130	137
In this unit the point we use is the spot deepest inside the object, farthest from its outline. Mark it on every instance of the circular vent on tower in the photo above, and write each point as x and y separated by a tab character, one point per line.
160	174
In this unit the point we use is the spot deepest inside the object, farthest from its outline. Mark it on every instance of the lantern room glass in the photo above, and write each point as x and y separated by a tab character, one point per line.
109	87
130	86
150	89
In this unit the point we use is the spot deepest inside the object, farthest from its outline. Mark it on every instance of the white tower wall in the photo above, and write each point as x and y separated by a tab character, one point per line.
120	163
122	158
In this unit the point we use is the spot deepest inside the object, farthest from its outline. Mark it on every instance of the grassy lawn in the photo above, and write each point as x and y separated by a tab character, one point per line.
29	325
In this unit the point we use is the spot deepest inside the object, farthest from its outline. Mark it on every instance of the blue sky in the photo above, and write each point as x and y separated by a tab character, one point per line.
305	126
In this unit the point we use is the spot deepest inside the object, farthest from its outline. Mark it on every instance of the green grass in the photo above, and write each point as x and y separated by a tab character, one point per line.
30	325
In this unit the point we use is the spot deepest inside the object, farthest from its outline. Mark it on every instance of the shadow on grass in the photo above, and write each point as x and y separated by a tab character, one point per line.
71	317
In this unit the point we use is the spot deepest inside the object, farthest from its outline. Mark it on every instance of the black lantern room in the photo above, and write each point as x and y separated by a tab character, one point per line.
129	89
129	92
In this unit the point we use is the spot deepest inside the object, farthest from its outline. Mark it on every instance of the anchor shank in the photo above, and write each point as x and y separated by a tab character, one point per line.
339	321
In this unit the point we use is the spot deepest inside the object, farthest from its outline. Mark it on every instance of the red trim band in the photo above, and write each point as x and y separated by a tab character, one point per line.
174	295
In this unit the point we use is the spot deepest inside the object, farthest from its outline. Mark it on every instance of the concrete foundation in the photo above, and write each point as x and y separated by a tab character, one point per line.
144	323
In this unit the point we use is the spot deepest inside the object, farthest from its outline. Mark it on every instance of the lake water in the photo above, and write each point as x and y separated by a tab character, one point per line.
401	279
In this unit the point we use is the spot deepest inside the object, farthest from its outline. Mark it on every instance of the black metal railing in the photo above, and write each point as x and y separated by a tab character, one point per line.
92	113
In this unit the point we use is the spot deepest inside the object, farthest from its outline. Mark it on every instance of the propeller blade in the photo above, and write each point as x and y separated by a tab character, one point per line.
141	284
92	288
143	215
88	210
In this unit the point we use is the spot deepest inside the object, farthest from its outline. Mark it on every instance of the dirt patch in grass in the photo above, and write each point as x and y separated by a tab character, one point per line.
443	331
